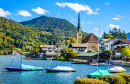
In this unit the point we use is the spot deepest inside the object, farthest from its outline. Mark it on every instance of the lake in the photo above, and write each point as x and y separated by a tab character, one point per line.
42	77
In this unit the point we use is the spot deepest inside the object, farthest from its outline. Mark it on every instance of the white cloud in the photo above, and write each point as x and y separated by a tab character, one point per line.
4	13
96	29
77	7
120	16
98	9
39	10
72	19
106	3
113	26
116	19
24	13
90	22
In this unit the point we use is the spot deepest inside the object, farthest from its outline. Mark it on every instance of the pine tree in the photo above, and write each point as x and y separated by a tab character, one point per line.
124	35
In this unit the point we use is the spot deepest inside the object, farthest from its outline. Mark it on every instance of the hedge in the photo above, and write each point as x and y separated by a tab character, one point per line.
112	79
126	77
89	81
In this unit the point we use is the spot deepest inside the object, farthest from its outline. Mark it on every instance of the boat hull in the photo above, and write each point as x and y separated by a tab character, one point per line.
19	69
103	64
120	71
53	70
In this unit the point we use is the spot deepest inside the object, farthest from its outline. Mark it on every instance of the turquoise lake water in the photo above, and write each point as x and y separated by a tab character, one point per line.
42	77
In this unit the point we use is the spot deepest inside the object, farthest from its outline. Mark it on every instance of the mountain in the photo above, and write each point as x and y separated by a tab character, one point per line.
53	25
11	33
128	35
42	30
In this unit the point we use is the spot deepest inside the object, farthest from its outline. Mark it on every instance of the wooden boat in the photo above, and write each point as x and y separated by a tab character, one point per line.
116	70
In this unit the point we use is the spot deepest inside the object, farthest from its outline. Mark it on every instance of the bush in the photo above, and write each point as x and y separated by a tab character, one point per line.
1	52
61	58
5	52
71	55
89	81
113	79
126	77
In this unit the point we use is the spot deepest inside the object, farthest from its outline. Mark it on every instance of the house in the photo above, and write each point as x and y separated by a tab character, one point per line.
62	46
45	49
107	44
77	47
119	44
91	41
92	56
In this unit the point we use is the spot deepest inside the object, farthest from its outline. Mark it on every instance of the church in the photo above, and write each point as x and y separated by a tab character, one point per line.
90	42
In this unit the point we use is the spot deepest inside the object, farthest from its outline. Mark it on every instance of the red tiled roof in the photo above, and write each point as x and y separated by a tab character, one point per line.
90	39
126	41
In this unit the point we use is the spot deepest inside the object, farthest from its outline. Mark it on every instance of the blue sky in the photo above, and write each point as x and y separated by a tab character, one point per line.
109	13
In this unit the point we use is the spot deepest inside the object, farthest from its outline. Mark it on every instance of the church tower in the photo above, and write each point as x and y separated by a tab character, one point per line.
79	31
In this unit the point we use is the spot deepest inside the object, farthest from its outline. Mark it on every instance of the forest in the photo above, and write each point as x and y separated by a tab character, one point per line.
11	32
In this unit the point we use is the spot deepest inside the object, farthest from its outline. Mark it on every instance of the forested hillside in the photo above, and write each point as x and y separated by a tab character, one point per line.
11	33
53	25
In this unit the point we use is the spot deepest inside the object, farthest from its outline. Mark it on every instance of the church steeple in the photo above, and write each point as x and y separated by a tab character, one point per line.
79	33
79	25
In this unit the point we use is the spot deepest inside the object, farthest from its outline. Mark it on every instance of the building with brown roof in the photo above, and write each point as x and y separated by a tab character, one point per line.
47	49
91	41
119	44
77	47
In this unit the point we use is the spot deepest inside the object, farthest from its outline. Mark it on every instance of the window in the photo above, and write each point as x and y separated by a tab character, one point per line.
49	51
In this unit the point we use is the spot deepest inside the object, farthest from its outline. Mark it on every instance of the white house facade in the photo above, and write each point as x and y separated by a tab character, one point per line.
77	47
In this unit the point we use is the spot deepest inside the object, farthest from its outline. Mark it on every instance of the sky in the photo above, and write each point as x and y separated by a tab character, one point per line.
107	13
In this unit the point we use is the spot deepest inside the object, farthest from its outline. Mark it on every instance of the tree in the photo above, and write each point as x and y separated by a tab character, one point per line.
73	40
125	52
68	42
108	52
115	33
104	34
108	36
124	35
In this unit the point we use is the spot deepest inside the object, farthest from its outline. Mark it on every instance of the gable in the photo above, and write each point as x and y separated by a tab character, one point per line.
91	38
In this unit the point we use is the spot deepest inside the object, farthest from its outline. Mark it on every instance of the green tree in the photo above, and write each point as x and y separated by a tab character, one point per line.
73	40
107	52
124	35
125	52
68	42
108	36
